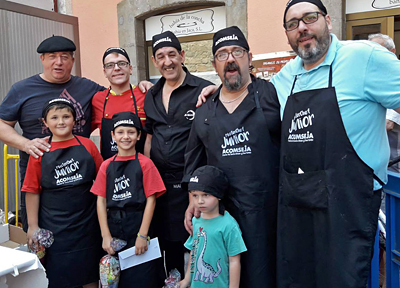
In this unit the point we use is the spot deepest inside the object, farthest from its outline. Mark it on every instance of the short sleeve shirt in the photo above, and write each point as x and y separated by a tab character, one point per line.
116	104
213	242
32	182
25	100
367	81
152	182
171	130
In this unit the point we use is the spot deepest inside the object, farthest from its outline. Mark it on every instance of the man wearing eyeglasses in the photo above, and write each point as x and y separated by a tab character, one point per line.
334	151
121	96
170	107
24	102
238	131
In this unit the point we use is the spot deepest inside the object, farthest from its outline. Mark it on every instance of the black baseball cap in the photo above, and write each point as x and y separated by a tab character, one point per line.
117	50
56	44
228	37
317	3
129	119
165	39
57	101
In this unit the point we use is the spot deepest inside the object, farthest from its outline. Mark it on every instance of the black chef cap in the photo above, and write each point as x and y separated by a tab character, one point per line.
56	44
211	180
57	102
317	3
117	50
129	119
165	39
228	37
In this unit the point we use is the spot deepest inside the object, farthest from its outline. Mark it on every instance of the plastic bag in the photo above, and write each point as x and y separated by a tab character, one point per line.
45	239
173	280
109	266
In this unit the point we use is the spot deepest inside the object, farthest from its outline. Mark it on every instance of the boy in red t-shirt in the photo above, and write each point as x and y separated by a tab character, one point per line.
59	199
127	186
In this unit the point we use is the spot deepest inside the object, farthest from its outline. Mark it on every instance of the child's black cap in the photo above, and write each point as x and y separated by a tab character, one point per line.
57	101
209	179
126	119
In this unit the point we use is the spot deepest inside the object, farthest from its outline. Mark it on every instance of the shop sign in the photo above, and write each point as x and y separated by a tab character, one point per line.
357	6
265	66
195	22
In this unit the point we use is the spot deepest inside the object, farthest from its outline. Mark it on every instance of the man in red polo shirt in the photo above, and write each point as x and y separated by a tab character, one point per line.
121	96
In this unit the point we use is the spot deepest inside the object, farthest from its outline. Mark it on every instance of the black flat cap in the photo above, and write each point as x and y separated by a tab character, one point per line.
56	44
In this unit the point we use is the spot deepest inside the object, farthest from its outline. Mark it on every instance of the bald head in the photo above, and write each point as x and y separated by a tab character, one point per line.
383	40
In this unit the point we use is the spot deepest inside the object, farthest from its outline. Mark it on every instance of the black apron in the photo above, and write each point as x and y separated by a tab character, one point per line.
171	207
108	146
327	216
126	202
68	209
240	145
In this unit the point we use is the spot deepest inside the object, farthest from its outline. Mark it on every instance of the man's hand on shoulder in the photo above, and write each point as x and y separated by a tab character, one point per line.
205	92
190	212
145	85
37	146
389	125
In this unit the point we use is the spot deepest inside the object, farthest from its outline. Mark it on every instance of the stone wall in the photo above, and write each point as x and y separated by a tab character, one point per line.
198	56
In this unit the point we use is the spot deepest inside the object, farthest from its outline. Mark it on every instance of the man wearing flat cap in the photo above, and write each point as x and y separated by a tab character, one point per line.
25	99
334	150
170	107
238	131
121	96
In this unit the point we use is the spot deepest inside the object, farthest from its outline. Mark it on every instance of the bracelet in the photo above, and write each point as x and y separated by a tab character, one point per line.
144	237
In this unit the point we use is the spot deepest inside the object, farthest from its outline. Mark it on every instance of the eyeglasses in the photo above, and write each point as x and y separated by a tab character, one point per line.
121	64
308	18
223	56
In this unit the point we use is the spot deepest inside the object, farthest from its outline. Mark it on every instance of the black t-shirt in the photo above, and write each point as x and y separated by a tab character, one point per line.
196	152
25	100
171	131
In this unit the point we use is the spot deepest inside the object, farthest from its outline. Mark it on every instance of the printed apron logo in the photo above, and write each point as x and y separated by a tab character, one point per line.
231	141
114	146
301	120
67	172
120	184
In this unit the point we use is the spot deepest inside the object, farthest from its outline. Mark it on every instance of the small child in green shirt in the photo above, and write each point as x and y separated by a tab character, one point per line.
217	241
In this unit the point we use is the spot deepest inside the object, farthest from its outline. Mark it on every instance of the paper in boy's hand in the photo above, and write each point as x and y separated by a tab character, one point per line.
128	258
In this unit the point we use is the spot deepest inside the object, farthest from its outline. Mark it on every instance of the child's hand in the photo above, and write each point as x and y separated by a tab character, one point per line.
31	240
107	245
184	283
140	246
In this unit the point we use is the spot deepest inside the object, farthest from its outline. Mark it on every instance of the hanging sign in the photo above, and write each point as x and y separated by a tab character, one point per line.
357	6
195	22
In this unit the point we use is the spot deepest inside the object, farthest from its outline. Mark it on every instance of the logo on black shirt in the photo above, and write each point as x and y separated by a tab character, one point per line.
189	115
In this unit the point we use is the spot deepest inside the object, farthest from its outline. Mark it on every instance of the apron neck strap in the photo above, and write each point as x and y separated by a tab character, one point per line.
51	137
330	76
133	97
105	101
329	80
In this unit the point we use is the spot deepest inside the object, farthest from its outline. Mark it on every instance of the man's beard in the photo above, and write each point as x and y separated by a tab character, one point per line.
312	55
235	86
